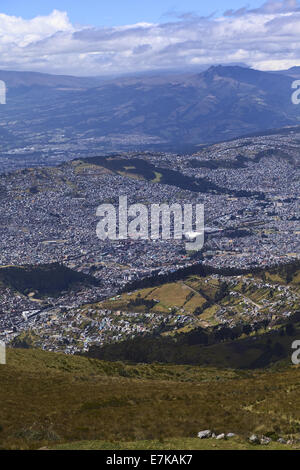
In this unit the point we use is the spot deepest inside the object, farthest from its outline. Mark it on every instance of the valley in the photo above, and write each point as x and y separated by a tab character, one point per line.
250	191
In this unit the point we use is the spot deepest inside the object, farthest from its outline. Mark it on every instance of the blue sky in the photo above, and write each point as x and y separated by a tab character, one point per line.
111	37
119	12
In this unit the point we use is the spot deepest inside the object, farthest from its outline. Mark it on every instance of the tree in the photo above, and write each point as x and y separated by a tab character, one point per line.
279	350
247	329
290	329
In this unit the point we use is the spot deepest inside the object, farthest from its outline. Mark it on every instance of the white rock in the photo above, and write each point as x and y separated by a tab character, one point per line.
221	436
281	440
254	439
230	434
204	434
265	440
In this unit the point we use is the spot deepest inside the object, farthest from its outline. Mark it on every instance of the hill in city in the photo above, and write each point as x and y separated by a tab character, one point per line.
48	279
242	321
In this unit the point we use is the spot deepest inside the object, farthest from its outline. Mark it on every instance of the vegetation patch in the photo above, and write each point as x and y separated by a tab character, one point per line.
51	400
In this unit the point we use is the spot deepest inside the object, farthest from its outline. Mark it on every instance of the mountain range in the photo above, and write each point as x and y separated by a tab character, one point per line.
166	110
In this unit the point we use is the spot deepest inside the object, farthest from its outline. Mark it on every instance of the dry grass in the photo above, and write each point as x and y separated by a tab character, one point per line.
49	399
176	444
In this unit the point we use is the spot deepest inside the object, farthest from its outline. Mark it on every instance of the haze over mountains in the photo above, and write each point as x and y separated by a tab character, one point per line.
166	111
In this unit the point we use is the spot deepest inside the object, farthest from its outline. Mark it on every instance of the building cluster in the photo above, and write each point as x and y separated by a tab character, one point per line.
48	215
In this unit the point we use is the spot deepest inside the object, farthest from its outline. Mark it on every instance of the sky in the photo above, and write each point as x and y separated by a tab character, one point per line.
118	12
112	37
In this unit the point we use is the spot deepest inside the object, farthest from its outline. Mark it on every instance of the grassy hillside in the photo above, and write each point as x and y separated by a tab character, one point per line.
174	444
288	274
254	351
137	168
244	320
208	299
50	399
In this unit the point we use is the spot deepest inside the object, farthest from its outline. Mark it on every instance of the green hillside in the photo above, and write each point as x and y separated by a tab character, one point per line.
50	400
209	299
251	352
238	321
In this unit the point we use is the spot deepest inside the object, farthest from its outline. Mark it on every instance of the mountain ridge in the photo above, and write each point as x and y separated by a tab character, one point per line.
143	112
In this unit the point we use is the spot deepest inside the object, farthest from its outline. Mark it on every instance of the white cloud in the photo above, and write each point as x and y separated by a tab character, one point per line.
265	38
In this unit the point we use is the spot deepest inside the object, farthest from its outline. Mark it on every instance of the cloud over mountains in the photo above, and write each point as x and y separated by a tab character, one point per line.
265	38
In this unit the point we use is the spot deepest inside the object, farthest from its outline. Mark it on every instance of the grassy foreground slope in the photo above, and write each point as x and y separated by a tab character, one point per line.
50	399
174	444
